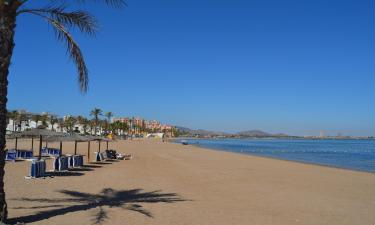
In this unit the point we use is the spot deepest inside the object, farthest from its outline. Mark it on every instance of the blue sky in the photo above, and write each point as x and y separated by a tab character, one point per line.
297	67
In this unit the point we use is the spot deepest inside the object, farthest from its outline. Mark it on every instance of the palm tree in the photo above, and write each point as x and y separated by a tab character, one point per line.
53	120
61	21
36	118
96	112
69	123
83	122
44	118
109	116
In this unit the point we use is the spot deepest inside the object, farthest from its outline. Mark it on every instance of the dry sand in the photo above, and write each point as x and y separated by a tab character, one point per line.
168	183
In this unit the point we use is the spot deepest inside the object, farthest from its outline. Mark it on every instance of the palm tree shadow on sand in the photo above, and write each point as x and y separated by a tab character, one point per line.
125	199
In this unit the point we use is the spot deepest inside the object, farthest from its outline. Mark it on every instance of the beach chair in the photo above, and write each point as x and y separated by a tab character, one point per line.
124	156
70	161
103	156
98	157
51	152
60	163
44	151
54	152
11	155
24	154
77	160
37	169
111	154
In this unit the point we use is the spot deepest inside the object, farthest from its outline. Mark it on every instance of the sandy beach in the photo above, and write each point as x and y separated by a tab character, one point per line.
167	183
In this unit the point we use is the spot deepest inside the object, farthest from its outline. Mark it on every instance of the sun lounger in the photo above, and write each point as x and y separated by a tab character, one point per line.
100	156
24	154
111	154
51	152
11	155
124	156
37	169
60	163
75	161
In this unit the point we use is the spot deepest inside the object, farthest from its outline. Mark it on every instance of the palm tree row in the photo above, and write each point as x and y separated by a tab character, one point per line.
97	123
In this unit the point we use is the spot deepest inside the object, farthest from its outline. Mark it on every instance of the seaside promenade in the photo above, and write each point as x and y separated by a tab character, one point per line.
167	183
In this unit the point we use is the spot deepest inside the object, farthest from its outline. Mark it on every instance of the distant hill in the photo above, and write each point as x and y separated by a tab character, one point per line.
259	134
253	133
244	134
200	132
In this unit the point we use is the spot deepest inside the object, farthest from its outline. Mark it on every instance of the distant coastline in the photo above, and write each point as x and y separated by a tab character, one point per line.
355	155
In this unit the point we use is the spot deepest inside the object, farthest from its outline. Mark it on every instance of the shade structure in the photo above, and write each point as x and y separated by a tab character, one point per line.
68	138
40	133
14	135
99	139
18	135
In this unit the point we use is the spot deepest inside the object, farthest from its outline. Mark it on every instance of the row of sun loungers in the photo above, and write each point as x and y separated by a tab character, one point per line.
110	155
51	152
13	155
64	163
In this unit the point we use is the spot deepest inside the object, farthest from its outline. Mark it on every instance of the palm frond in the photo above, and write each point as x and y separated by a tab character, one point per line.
83	20
72	48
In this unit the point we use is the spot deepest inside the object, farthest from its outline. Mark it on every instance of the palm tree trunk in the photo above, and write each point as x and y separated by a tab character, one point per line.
7	29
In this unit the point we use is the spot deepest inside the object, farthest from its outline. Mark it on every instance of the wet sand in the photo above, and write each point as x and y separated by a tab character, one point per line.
167	183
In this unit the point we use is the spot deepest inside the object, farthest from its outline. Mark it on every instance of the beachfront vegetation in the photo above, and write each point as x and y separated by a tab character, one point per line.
62	21
96	112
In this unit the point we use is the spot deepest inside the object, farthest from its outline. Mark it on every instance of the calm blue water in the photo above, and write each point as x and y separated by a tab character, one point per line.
349	154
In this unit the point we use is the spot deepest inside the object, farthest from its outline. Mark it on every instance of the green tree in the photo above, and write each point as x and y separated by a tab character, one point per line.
61	21
96	113
69	123
108	116
84	122
36	118
53	120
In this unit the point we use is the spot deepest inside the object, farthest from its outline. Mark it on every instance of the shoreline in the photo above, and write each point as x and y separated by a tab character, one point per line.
275	158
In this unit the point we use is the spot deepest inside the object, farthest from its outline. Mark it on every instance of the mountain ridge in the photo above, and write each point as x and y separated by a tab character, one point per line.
247	133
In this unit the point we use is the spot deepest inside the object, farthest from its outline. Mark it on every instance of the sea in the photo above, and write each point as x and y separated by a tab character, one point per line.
348	154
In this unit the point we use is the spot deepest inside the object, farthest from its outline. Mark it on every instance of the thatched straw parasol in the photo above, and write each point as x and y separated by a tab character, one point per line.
67	138
14	136
99	139
34	133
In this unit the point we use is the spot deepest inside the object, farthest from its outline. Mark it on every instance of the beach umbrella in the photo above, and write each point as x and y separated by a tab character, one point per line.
15	136
89	138
40	133
107	140
67	138
97	138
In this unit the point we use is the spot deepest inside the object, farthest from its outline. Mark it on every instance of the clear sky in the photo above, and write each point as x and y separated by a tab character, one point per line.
297	67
